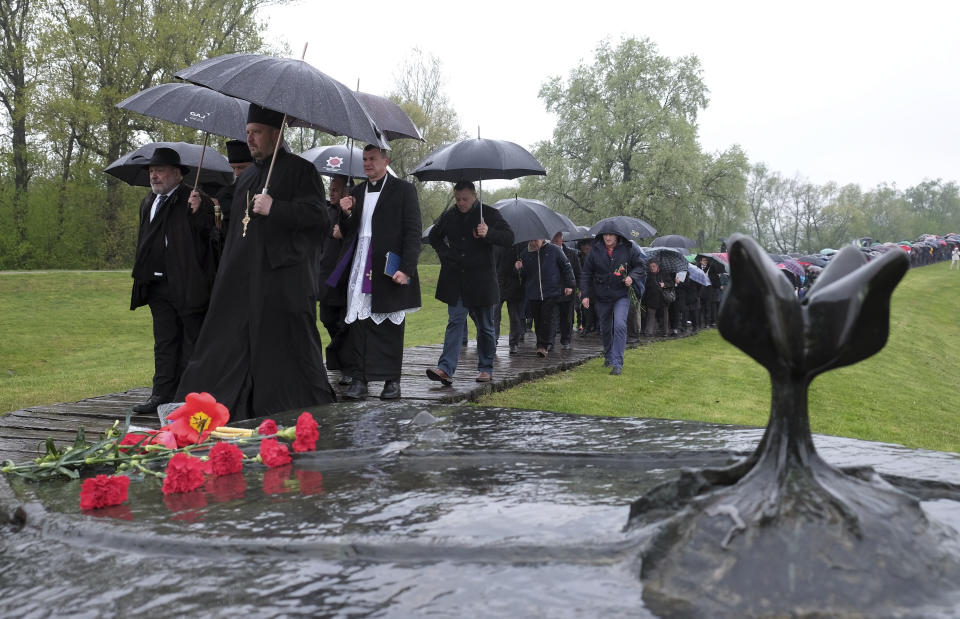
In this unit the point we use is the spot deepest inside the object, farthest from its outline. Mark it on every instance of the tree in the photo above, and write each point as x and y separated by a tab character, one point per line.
626	137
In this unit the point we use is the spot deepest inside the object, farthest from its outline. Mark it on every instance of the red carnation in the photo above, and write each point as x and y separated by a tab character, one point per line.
184	473
103	491
226	458
274	453
307	434
268	427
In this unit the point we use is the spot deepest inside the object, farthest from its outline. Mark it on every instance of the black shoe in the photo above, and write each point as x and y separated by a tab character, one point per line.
616	371
345	380
391	390
514	349
357	390
565	346
150	406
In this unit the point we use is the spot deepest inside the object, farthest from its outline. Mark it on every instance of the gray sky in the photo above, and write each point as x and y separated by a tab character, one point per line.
852	92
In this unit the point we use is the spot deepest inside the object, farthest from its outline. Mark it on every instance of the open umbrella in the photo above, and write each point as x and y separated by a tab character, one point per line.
669	258
477	159
309	97
336	159
393	122
673	240
715	260
628	227
793	266
216	169
193	106
694	273
532	219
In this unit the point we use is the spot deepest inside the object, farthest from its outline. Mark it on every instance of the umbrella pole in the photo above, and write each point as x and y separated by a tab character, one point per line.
350	152
276	147
203	151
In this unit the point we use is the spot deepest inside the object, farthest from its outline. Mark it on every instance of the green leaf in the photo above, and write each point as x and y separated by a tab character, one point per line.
71	473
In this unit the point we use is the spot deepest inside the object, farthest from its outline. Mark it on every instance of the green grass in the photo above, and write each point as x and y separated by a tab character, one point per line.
69	335
905	394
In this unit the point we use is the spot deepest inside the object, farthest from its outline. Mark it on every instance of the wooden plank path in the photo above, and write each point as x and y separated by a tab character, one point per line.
23	432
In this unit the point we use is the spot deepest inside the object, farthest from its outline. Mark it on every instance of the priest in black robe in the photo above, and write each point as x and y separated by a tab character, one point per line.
259	351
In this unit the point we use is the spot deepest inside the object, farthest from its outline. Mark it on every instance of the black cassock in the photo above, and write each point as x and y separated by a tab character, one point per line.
259	350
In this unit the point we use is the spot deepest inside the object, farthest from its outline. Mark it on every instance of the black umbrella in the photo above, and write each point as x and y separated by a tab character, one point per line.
475	160
717	262
336	159
216	169
309	97
532	219
673	240
629	228
192	106
389	117
669	258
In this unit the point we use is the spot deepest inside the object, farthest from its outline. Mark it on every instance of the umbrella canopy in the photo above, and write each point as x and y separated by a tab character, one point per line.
193	106
389	117
828	251
309	97
793	266
715	260
669	258
698	276
627	227
673	240
216	169
336	159
477	159
532	219
425	237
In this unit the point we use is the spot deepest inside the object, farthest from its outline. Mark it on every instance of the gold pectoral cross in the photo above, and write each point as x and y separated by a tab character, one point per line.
246	216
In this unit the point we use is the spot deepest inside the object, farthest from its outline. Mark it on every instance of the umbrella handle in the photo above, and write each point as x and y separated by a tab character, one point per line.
203	151
273	160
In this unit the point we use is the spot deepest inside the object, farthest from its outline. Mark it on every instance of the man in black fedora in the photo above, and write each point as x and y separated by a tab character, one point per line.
171	270
260	352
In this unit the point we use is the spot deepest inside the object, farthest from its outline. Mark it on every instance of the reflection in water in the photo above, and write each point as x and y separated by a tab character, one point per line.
480	512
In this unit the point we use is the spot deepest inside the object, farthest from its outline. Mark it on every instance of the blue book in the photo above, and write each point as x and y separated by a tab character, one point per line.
393	263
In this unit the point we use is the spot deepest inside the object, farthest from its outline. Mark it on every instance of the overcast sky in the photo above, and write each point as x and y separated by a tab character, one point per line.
851	92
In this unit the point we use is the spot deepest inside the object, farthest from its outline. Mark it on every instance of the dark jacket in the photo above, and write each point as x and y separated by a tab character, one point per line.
573	256
546	273
653	296
327	257
468	269
603	274
396	228
508	277
181	238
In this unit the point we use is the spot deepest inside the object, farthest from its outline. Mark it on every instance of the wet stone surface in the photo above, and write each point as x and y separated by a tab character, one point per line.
405	509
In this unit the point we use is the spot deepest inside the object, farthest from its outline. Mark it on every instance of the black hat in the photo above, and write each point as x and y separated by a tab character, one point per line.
264	116
238	152
167	156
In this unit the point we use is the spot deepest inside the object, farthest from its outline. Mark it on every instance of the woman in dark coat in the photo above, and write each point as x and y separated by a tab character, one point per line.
653	300
611	267
547	277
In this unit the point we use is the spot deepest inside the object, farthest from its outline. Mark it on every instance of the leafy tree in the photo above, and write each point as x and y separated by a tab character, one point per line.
626	137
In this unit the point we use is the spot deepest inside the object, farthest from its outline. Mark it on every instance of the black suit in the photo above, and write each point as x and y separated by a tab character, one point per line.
375	351
173	272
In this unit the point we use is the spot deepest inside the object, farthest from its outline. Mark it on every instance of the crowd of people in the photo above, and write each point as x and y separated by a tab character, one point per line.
235	281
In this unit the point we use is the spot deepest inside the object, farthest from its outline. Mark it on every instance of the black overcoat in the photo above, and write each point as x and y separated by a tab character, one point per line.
190	268
468	264
395	227
259	350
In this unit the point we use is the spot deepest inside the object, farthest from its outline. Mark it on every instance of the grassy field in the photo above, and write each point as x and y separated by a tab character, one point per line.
69	335
905	394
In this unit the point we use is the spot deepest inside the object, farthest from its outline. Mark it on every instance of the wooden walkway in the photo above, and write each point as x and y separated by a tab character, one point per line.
23	432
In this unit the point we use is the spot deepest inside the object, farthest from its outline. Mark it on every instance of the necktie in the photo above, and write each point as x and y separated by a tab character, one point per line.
160	203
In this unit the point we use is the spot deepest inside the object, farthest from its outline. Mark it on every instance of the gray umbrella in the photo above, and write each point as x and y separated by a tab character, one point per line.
216	169
628	227
390	118
669	258
293	87
673	240
336	159
192	106
532	219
